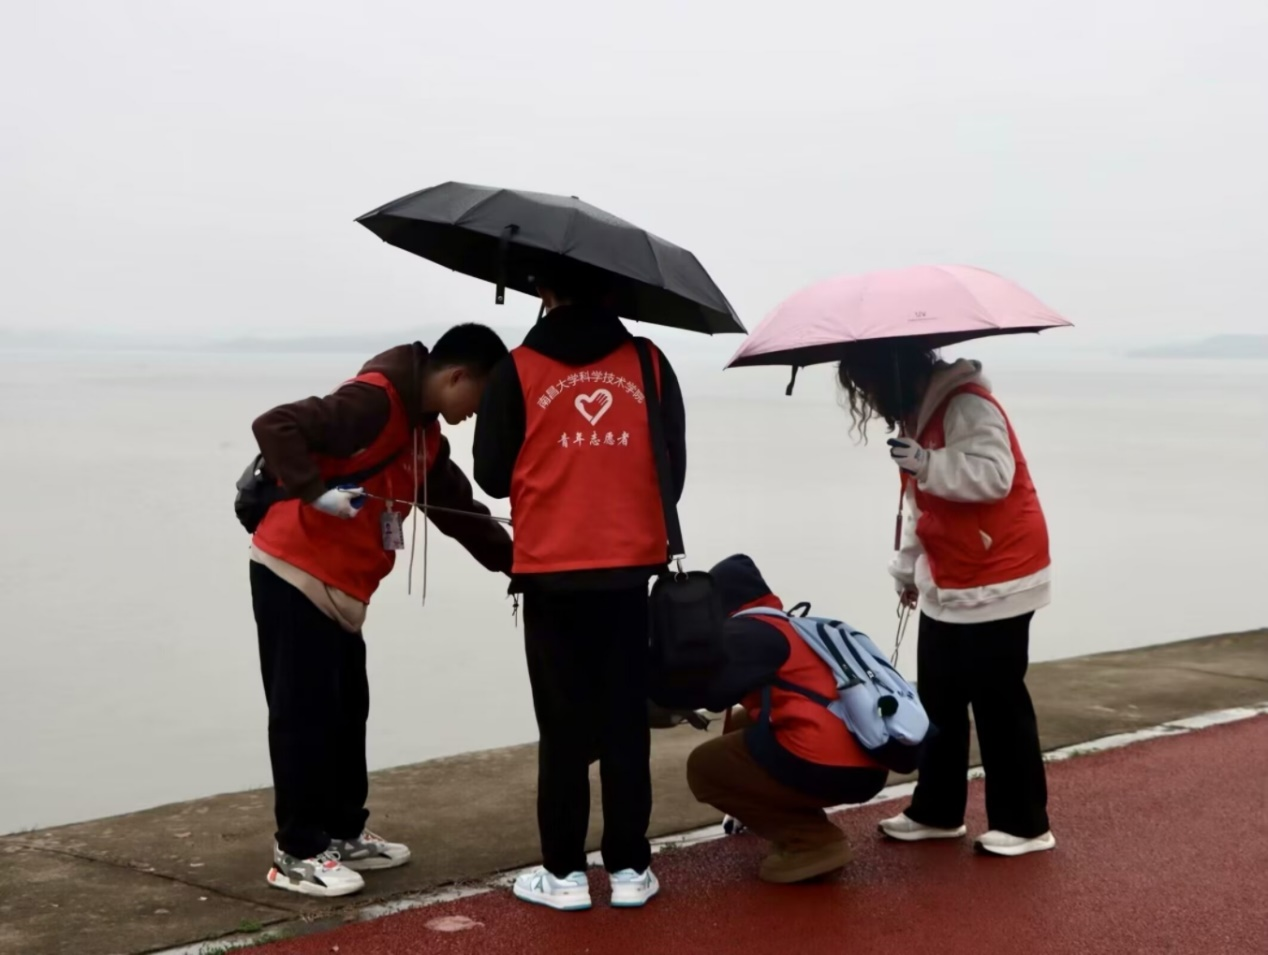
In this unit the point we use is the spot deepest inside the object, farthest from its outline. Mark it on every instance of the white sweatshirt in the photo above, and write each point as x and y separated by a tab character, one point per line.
976	465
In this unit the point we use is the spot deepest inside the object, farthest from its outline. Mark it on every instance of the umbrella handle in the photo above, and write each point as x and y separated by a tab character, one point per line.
902	493
504	243
792	381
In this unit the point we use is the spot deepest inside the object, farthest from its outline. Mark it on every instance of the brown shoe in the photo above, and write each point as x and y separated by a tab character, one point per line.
785	866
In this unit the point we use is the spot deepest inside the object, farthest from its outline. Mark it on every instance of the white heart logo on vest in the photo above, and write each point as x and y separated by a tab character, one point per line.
586	405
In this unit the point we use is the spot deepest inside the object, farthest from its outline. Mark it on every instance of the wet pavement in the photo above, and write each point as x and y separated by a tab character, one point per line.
1162	848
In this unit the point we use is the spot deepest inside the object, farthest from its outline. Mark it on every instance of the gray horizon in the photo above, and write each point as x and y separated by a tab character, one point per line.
189	171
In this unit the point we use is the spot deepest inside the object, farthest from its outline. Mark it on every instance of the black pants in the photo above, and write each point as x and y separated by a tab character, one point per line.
319	699
982	665
588	666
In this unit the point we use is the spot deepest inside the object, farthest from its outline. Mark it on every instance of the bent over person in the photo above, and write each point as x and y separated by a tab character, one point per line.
318	556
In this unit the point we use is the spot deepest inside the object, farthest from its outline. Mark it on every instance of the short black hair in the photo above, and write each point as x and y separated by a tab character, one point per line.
574	281
474	347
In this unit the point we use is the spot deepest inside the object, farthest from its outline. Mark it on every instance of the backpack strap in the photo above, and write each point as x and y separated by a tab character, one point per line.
762	612
802	691
831	647
660	451
778	682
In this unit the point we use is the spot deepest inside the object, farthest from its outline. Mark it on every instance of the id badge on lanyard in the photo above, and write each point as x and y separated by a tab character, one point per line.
391	529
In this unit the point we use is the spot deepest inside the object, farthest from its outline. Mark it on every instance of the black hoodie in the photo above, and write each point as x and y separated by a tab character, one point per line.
576	336
755	652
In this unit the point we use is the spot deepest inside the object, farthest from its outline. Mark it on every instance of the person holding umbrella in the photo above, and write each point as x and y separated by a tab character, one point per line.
974	556
973	548
583	428
563	433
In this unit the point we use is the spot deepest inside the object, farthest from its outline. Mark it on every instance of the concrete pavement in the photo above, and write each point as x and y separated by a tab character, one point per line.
177	874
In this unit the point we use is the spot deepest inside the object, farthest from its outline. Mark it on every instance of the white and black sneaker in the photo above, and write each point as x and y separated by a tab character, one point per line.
322	875
569	894
631	889
369	851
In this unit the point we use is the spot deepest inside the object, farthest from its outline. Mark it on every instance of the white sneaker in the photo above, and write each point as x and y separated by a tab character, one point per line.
369	851
631	890
541	888
1002	844
323	875
905	829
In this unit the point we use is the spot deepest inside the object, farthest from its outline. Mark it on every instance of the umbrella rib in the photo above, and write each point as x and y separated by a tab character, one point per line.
477	204
987	320
655	258
569	229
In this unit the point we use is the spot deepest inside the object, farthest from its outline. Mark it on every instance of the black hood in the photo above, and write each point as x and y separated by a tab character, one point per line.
577	335
740	583
405	366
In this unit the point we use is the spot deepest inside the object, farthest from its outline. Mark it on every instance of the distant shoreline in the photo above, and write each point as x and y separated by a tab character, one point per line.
1214	348
1217	347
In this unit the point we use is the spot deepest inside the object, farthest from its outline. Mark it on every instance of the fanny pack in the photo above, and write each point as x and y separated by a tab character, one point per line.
258	489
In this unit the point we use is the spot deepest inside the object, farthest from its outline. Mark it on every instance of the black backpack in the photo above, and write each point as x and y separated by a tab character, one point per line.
258	489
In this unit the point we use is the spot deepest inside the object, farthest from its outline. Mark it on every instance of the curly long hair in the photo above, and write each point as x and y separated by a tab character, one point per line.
884	379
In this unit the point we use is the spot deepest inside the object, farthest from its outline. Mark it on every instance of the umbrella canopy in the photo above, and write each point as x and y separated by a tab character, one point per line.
511	238
938	304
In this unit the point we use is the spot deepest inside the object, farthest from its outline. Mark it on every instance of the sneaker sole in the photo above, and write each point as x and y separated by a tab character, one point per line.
375	863
1012	852
310	888
924	835
636	900
559	905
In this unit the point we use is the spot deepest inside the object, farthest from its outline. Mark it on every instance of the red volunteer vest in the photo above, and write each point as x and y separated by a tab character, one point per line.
349	554
972	545
584	493
801	726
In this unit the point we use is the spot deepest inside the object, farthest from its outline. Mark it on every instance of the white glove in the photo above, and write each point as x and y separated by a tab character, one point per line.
342	502
908	455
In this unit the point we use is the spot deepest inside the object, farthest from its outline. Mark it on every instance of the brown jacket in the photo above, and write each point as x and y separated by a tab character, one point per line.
343	423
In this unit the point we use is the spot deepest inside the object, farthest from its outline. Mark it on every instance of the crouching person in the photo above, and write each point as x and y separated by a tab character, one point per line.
783	758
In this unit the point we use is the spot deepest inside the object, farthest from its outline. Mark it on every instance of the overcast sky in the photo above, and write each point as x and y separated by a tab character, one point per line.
170	165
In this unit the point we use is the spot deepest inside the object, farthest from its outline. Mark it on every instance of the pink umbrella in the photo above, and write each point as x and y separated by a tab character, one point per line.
939	304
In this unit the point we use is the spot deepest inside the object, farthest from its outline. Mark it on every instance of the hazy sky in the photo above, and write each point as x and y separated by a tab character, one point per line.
170	165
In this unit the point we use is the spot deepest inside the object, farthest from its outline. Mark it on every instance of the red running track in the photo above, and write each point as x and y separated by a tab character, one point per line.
1162	847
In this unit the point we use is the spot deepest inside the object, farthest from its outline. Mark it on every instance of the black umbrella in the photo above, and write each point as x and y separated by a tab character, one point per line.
511	238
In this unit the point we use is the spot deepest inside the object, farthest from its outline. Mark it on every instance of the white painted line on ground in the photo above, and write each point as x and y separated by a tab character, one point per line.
711	833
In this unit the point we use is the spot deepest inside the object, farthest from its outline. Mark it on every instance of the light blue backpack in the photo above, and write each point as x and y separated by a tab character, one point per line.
880	709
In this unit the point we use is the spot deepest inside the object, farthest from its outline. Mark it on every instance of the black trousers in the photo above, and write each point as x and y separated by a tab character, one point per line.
982	665
319	699
588	666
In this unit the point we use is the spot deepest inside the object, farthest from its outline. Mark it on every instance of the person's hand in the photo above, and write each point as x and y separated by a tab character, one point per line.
342	502
908	597
908	455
